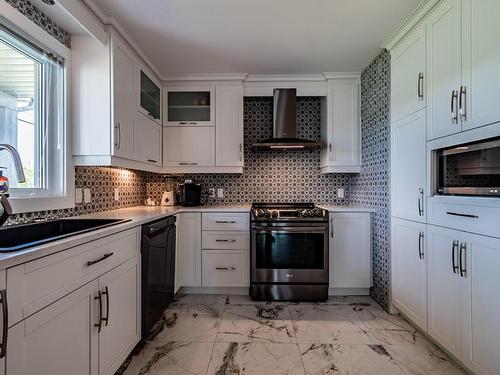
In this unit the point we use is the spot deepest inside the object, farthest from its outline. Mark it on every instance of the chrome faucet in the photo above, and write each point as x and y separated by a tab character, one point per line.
5	208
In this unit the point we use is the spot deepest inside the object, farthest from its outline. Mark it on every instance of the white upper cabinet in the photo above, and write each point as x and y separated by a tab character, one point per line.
188	146
111	88
408	74
408	167
480	89
189	106
123	98
443	69
147	140
149	94
340	127
229	126
409	270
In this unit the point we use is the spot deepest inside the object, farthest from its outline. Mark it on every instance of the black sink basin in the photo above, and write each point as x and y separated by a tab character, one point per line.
22	236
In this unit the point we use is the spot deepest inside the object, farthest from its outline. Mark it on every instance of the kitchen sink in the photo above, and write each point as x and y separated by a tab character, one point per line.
27	235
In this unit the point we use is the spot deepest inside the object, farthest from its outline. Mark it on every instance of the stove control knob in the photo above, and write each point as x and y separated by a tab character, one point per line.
259	213
318	213
267	213
275	214
305	213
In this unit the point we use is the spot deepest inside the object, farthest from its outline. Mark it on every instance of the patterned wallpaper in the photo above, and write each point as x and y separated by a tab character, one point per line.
38	17
371	187
270	176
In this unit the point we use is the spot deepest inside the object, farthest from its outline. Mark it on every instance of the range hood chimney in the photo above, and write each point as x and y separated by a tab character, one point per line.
285	125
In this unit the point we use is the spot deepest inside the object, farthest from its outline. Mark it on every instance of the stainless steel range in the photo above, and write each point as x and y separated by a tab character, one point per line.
289	252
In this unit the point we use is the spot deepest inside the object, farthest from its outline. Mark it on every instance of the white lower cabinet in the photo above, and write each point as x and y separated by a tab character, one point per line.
350	251
226	268
447	289
482	344
60	339
409	275
188	252
121	313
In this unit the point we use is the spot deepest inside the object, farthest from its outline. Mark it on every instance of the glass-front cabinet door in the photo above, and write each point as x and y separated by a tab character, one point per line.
150	96
187	106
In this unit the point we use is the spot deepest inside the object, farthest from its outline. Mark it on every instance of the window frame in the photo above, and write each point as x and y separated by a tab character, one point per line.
62	166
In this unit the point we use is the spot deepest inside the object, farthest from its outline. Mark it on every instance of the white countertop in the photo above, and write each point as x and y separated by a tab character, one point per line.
138	216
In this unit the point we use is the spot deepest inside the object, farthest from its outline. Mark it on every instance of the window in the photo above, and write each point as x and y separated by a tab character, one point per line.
32	114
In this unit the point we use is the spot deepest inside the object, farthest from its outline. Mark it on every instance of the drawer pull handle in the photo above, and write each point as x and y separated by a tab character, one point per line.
185	163
105	256
106	293
5	322
420	245
453	263
99	323
225	240
225	222
225	268
463	270
462	215
152	161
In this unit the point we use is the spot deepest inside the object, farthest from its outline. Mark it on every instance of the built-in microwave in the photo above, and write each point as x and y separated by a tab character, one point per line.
468	169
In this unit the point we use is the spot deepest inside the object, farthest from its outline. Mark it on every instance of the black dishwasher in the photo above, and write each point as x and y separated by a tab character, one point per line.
158	270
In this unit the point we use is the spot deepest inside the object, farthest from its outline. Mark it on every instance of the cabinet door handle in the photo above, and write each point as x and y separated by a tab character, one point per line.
106	293
153	116
331	227
462	103
454	112
420	202
420	245
5	322
153	161
420	83
241	152
99	322
462	255
118	141
225	240
453	263
225	222
462	215
193	123
184	163
105	256
225	268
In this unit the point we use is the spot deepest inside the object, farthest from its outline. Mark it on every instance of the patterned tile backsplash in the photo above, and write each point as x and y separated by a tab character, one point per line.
270	176
371	187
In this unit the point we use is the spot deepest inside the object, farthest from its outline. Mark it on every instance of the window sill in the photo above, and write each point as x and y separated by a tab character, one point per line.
32	204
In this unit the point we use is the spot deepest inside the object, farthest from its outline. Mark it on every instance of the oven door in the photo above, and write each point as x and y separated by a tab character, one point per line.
289	253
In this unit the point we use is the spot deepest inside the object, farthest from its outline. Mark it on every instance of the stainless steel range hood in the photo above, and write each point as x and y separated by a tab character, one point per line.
285	125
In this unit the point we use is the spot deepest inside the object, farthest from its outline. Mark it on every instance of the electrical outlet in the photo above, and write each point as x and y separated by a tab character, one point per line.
87	196
340	193
78	196
211	193
117	194
220	193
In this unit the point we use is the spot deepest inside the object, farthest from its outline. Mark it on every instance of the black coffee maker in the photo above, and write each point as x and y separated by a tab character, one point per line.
189	194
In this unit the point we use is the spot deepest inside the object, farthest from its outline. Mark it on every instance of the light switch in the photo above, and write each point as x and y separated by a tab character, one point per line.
86	195
220	193
340	193
211	193
78	196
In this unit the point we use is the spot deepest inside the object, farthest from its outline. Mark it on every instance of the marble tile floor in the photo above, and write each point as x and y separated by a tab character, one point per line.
232	335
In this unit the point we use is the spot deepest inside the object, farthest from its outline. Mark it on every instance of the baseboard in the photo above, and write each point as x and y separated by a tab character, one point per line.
212	290
349	291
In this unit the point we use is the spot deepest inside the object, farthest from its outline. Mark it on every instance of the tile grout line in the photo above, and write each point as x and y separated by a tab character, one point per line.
216	334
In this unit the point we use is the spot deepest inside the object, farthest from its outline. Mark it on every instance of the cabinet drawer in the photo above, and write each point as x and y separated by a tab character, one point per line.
230	240
466	217
225	221
36	284
225	268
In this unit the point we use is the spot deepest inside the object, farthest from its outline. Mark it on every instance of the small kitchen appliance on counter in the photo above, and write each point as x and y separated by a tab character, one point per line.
289	252
189	194
168	198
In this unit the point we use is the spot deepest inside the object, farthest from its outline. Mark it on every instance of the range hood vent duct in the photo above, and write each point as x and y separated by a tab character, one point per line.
285	125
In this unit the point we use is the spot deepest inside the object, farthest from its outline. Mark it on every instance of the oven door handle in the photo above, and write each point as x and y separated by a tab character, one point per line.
312	229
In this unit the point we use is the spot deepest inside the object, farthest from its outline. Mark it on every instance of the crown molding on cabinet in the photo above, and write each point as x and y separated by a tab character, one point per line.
342	75
413	20
285	78
205	77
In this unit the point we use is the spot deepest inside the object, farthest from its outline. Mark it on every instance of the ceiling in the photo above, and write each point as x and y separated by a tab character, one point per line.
260	36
